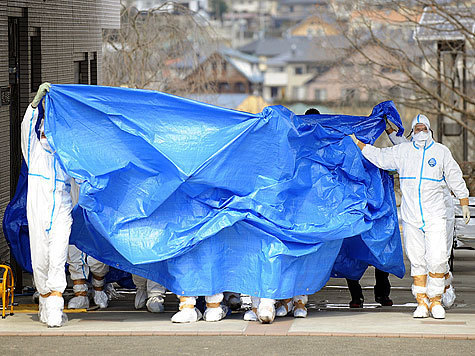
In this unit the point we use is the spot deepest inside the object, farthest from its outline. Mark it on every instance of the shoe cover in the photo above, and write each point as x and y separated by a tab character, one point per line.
448	298
282	310
54	311
300	313
266	311
421	312
234	302
42	309
187	315
438	312
79	302
140	298
101	299
215	314
250	315
155	305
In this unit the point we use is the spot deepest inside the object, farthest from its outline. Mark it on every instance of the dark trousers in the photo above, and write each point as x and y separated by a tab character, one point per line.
382	288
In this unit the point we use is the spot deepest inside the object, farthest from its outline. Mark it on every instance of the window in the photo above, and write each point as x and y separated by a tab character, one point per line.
349	94
320	94
35	59
93	66
240	88
81	71
274	91
298	70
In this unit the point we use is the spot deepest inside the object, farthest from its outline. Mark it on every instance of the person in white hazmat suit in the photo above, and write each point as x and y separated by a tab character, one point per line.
149	293
448	298
80	265
422	165
48	211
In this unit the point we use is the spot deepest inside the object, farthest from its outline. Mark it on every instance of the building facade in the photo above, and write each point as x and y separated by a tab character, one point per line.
43	40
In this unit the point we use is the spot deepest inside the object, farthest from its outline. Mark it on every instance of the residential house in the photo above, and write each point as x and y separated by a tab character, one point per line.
231	71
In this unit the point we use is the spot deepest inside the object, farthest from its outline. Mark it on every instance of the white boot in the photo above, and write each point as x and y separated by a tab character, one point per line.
284	307
250	315
436	309
300	311
215	314
140	298
448	298
266	311
42	309
79	302
421	312
101	299
155	304
187	315
54	311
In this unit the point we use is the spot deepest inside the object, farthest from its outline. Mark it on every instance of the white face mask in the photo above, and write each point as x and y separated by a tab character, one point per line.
421	136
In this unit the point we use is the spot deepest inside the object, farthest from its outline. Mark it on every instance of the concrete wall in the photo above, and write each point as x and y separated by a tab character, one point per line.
70	31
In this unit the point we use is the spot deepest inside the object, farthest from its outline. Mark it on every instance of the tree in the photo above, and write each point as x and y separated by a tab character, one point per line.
218	8
425	49
157	49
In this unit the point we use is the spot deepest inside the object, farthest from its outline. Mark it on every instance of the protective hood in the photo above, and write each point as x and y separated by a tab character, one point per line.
420	119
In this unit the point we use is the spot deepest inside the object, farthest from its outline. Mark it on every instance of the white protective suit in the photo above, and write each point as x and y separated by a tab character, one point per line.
150	293
80	265
448	298
48	212
422	167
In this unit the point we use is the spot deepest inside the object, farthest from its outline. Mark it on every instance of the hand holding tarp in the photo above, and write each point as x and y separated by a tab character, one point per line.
42	90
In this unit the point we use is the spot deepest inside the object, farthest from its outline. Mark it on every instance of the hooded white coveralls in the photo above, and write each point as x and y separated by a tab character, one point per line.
48	210
422	169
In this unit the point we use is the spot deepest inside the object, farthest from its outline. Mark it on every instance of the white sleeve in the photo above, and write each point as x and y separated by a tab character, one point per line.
28	133
453	176
384	158
396	140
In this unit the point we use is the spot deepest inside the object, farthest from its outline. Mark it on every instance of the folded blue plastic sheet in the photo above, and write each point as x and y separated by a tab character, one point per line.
203	199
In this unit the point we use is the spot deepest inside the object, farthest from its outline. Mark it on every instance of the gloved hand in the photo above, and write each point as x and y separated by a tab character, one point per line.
353	137
466	213
45	87
389	127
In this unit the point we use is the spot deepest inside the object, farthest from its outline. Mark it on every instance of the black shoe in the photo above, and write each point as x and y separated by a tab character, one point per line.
357	303
384	301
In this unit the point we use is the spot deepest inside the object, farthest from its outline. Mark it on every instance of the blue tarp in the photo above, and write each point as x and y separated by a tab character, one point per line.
204	199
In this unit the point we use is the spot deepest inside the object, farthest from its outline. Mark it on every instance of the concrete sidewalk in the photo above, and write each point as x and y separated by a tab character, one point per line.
318	323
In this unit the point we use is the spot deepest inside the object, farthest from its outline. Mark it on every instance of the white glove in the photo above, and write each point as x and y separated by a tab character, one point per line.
353	137
466	213
45	87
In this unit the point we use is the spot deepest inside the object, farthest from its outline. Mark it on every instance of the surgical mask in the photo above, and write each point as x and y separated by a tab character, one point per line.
421	136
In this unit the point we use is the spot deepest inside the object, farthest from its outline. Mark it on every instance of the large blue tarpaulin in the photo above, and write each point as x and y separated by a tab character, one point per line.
204	199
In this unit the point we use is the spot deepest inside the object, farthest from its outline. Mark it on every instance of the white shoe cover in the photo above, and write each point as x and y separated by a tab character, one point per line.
300	313
438	312
234	302
140	298
282	311
155	305
266	313
215	314
101	299
448	298
187	315
421	312
42	309
250	315
79	302
54	311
